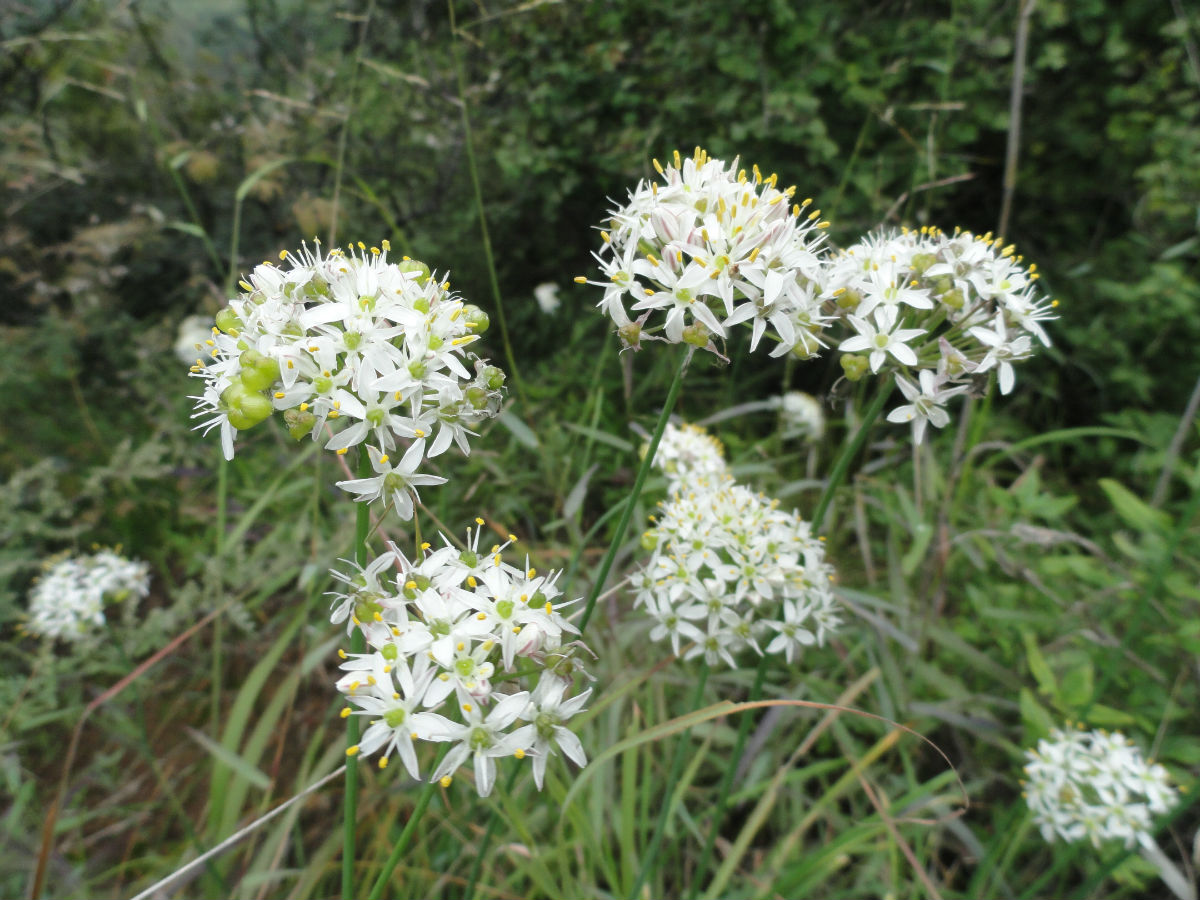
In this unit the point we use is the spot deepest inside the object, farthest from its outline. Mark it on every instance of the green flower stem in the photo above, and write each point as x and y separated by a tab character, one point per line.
494	818
631	501
650	856
362	526
406	836
840	468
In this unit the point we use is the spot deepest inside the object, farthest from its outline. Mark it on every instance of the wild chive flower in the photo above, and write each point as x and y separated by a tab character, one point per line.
1095	785
729	570
688	451
802	415
67	602
708	247
439	628
938	310
376	350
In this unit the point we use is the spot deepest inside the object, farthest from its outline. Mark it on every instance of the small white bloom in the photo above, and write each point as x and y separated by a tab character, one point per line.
546	295
925	403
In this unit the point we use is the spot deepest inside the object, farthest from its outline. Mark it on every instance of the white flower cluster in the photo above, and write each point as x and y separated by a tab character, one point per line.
712	247
939	307
802	415
729	570
439	630
348	337
1095	785
688	451
67	602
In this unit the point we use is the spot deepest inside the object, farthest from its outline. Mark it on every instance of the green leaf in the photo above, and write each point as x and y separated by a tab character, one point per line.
1106	717
1038	722
1077	685
258	175
1133	511
916	553
236	763
1038	666
522	432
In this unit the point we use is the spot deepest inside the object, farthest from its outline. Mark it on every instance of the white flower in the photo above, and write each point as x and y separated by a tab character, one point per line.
374	350
687	452
882	338
397	482
483	739
546	295
925	403
67	602
545	735
727	568
710	245
1095	785
802	415
1001	351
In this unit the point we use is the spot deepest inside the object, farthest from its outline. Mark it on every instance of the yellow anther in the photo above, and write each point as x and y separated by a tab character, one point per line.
410	585
425	545
344	450
471	582
291	365
384	459
581	279
481	616
478	521
378	617
341	653
531	573
658	167
383	762
352	751
607	239
387	245
754	254
513	538
445	781
279	395
519	753
345	712
245	286
467	707
417	432
677	158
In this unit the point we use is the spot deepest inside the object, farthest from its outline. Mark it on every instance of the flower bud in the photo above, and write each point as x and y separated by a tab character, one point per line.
492	377
854	367
953	299
922	261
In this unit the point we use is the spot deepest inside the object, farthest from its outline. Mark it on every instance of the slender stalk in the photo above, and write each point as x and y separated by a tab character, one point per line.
485	842
650	857
483	229
836	477
635	492
1016	92
362	526
405	838
340	165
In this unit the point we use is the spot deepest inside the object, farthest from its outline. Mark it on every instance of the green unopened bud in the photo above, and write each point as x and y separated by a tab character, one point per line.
953	299
849	299
477	321
492	377
941	284
244	407
649	541
299	424
414	265
477	397
696	335
922	261
805	349
259	372
855	367
416	368
435	342
631	334
228	321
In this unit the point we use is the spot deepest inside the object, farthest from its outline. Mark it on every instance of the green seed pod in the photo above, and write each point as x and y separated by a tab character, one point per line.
259	372
855	367
696	335
476	319
953	299
492	377
228	321
244	407
414	265
299	424
922	261
631	334
849	299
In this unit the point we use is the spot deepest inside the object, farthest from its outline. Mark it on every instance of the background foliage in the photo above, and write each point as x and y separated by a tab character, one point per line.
1037	572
